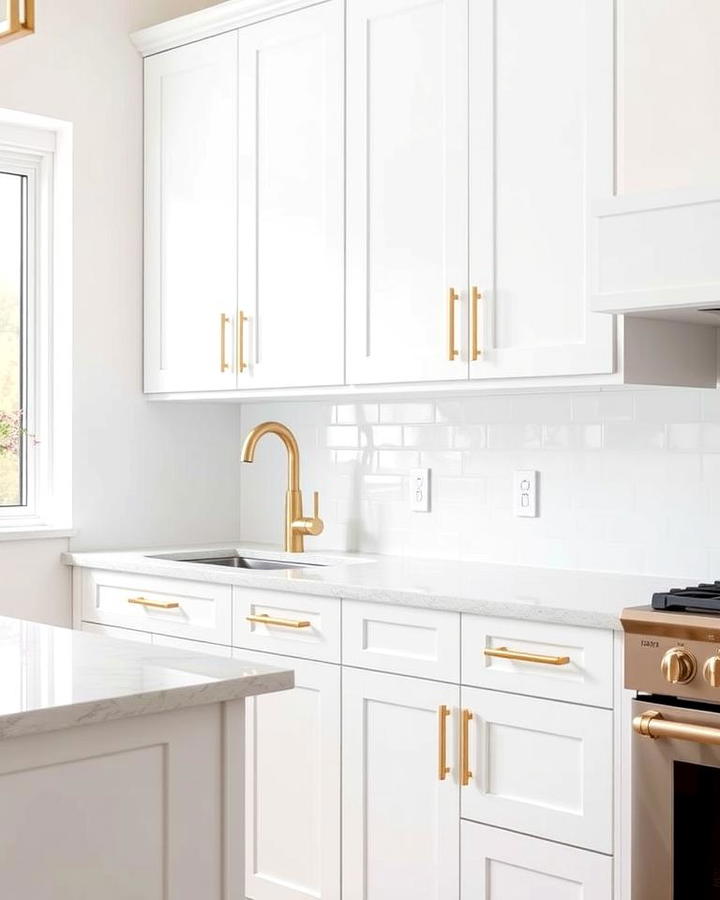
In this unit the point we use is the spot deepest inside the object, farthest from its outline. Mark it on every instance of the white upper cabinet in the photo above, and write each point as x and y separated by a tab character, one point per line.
529	181
656	216
291	199
407	194
191	216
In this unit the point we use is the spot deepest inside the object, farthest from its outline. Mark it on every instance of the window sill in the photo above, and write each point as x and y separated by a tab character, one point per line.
33	532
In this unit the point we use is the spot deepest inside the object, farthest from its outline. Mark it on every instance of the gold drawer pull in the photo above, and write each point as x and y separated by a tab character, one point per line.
453	297
241	364
521	656
475	297
465	773
264	619
443	767
224	364
651	724
154	604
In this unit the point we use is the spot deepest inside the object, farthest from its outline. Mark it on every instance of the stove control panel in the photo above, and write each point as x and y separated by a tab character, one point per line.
672	653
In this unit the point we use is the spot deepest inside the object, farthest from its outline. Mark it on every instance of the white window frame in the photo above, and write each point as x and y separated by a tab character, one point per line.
41	149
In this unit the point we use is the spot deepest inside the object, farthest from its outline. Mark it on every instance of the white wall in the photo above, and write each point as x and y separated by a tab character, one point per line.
143	473
630	480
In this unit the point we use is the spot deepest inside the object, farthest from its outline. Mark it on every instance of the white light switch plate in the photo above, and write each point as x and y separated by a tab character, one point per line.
525	493
420	490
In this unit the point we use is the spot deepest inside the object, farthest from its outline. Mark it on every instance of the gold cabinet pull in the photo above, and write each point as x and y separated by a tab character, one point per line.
264	619
443	767
651	724
241	364
453	297
521	656
154	604
475	297
224	364
465	773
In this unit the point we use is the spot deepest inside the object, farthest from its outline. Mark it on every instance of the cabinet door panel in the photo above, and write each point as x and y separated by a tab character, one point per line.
190	215
407	187
291	198
540	767
293	785
400	822
530	258
501	865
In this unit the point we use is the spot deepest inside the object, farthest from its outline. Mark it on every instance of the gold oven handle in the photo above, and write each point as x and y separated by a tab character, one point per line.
453	297
264	619
521	656
651	724
224	364
443	767
465	773
154	604
475	297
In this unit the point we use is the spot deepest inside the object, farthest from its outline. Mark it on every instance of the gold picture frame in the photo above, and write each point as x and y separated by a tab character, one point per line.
19	19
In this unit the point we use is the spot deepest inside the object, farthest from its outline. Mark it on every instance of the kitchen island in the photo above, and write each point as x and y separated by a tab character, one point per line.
121	767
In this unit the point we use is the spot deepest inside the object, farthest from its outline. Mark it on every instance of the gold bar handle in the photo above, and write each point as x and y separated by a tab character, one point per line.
443	767
465	773
453	297
154	604
651	724
521	656
241	364
224	365
475	297
264	619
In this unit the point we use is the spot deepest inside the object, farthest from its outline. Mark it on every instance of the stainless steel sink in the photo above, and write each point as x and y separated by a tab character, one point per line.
233	560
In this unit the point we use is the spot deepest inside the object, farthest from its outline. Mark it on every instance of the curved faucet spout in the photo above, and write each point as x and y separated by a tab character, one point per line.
291	445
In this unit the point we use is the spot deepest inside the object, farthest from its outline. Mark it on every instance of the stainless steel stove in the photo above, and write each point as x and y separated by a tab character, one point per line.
672	662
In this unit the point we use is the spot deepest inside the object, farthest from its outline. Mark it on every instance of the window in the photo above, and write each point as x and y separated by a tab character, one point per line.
17	17
35	229
13	259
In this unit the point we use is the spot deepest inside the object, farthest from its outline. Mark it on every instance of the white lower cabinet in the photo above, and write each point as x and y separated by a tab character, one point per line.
400	820
383	785
540	767
502	865
293	785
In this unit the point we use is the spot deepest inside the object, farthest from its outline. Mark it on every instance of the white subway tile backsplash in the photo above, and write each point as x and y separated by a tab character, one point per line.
629	480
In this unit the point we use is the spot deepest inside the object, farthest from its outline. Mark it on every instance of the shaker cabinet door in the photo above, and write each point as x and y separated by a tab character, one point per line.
191	216
530	177
293	785
400	820
406	190
291	196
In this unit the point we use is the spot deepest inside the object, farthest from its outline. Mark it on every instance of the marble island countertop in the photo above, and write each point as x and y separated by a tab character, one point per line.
591	599
53	678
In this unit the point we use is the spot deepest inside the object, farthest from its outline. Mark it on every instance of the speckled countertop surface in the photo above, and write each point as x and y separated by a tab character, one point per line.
591	599
57	678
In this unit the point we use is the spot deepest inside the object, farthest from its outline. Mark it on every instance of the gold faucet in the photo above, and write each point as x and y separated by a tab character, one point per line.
297	525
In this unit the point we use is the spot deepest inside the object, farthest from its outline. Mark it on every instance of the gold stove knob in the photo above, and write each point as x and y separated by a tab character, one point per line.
678	666
711	671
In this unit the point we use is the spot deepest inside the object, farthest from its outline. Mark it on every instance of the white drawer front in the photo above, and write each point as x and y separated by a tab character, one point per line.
290	624
187	609
500	865
540	767
163	640
409	641
585	678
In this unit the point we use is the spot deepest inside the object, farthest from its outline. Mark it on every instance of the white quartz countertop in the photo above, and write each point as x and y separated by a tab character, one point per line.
53	678
591	599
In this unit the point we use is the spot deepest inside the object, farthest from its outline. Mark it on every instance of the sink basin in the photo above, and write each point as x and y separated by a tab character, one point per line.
233	560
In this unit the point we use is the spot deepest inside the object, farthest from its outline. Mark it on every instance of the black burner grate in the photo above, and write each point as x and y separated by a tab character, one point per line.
702	597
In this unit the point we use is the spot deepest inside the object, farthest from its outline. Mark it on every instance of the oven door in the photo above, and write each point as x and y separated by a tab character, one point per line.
676	803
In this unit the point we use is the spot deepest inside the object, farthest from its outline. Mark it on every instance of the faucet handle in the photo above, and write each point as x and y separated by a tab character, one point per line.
314	525
316	505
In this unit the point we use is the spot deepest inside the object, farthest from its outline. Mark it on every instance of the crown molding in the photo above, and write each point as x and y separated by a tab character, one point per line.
214	20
